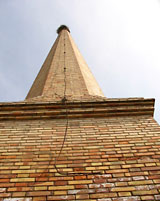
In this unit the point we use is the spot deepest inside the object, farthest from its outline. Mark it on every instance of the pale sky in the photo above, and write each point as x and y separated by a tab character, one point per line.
119	39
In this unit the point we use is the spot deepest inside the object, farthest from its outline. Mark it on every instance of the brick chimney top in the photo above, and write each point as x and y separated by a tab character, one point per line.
65	74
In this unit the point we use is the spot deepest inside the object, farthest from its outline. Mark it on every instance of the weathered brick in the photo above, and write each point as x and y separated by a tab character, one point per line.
61	197
101	190
156	181
67	178
137	178
81	191
101	185
2	190
103	195
147	197
117	189
157	197
142	188
142	182
19	199
149	192
4	195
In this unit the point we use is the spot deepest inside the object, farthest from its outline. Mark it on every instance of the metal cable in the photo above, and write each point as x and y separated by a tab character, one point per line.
64	100
55	74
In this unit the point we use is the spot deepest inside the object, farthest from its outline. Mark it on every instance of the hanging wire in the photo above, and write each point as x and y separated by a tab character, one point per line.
64	100
55	74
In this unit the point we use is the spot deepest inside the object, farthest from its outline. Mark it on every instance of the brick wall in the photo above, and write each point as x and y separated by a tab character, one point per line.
124	150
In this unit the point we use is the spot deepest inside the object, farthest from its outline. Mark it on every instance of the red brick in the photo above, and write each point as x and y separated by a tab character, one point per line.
80	177
60	183
21	184
81	186
6	185
4	180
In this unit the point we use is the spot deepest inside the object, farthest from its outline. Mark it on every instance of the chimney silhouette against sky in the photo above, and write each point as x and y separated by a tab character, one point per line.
66	141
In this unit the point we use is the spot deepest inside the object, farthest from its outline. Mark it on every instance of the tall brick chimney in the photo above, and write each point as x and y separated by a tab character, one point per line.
66	141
